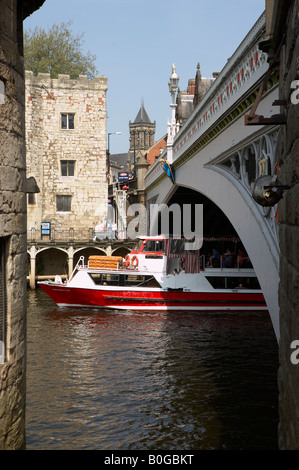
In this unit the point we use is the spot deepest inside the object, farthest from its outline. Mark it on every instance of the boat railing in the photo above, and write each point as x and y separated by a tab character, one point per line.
79	265
202	262
237	263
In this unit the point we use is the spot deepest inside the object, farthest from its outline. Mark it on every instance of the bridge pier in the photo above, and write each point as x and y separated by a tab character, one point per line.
70	261
32	274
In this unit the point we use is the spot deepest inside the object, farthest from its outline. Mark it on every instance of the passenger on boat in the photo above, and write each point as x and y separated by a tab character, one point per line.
228	261
214	260
242	257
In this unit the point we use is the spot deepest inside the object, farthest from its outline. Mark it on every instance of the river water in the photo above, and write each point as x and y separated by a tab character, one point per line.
154	381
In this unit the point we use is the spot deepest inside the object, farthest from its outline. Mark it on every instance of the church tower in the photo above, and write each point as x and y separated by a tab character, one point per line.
142	135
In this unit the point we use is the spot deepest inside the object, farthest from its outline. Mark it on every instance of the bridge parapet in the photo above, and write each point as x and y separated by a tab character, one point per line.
243	71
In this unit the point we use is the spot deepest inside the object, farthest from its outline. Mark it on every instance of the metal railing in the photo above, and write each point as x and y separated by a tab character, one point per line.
61	235
236	264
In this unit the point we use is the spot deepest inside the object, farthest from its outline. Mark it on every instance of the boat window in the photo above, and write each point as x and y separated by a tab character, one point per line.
105	279
140	281
156	246
129	280
138	245
96	278
221	282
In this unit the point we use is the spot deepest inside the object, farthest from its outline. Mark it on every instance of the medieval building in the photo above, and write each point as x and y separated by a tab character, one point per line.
66	153
142	136
128	189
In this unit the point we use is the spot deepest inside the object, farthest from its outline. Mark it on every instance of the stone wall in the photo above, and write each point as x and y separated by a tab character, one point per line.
288	157
12	230
82	142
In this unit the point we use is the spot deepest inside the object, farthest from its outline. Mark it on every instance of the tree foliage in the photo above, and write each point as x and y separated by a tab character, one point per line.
56	51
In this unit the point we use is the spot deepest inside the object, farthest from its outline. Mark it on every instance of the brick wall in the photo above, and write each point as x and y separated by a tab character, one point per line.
155	151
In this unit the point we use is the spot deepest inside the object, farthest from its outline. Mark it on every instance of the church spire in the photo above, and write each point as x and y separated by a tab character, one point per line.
142	116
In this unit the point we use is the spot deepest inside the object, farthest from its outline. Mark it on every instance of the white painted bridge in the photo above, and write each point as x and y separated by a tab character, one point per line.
218	156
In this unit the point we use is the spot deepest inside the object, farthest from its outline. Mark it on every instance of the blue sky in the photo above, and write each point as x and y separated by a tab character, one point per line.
136	42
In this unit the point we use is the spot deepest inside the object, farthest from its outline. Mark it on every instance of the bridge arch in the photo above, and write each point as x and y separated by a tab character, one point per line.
229	194
47	261
121	251
87	251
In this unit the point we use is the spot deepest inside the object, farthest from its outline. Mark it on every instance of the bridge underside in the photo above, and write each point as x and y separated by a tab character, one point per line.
227	210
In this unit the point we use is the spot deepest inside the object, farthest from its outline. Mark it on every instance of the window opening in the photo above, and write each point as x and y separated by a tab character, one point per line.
67	167
67	121
63	203
31	198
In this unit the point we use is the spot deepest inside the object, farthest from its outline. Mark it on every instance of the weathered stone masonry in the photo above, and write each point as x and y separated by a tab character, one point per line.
288	157
12	224
66	125
282	46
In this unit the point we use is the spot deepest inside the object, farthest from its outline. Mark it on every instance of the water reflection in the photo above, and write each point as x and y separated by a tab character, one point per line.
110	380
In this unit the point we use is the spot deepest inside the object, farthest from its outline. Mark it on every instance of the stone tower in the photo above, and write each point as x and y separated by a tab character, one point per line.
66	151
142	135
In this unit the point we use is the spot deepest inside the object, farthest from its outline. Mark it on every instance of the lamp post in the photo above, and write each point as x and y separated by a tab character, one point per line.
133	139
108	151
173	127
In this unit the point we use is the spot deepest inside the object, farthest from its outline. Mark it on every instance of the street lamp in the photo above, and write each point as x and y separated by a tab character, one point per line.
109	134
108	152
173	127
173	81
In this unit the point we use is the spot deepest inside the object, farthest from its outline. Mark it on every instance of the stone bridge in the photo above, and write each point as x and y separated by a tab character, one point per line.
216	155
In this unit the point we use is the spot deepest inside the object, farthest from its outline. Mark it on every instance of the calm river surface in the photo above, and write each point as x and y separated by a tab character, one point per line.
153	381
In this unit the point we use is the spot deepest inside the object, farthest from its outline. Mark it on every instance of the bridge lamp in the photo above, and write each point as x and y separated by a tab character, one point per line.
173	83
172	126
266	191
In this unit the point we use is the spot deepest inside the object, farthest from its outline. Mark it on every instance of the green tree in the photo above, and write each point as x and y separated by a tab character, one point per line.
56	51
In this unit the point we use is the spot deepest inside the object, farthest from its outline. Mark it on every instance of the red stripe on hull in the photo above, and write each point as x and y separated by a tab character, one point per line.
140	300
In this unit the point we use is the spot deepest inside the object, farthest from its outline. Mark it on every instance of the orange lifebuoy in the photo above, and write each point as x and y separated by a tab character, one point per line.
127	261
135	261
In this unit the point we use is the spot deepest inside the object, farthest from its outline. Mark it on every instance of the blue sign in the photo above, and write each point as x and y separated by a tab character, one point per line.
123	176
46	228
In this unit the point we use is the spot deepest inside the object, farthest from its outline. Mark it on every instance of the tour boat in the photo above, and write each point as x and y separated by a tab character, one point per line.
158	274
